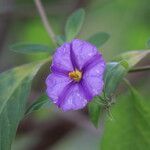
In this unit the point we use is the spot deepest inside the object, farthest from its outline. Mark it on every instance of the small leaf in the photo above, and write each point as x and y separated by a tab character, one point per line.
27	48
99	39
41	102
133	57
94	111
74	24
15	86
114	73
129	129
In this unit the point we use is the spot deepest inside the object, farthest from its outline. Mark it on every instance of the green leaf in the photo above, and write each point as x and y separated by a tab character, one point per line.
133	57
15	86
42	102
130	129
94	111
27	48
114	73
99	39
74	24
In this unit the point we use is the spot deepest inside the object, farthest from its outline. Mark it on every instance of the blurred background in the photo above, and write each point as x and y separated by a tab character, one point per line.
127	22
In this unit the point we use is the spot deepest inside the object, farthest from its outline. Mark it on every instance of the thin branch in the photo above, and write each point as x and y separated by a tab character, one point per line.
145	68
45	21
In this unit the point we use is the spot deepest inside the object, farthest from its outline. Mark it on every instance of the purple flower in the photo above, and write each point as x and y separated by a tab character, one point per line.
77	75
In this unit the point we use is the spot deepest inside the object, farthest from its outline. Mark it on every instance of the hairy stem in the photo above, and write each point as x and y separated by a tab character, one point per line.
45	21
145	68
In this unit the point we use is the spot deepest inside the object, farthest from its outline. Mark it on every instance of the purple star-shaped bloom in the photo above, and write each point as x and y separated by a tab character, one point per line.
77	75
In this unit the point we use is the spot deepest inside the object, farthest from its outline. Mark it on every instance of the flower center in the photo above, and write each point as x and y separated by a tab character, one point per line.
75	75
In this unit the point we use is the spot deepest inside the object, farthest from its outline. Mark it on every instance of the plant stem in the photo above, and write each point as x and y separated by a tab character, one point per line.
145	68
45	21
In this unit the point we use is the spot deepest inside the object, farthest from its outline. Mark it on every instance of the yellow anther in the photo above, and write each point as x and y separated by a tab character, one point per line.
75	75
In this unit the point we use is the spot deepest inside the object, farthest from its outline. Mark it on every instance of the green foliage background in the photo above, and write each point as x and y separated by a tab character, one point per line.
128	24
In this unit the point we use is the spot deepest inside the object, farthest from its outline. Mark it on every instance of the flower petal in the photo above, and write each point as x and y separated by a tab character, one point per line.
74	99
61	58
55	85
62	90
94	78
83	51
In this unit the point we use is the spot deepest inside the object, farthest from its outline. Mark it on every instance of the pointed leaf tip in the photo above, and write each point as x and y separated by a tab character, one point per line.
74	24
31	48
